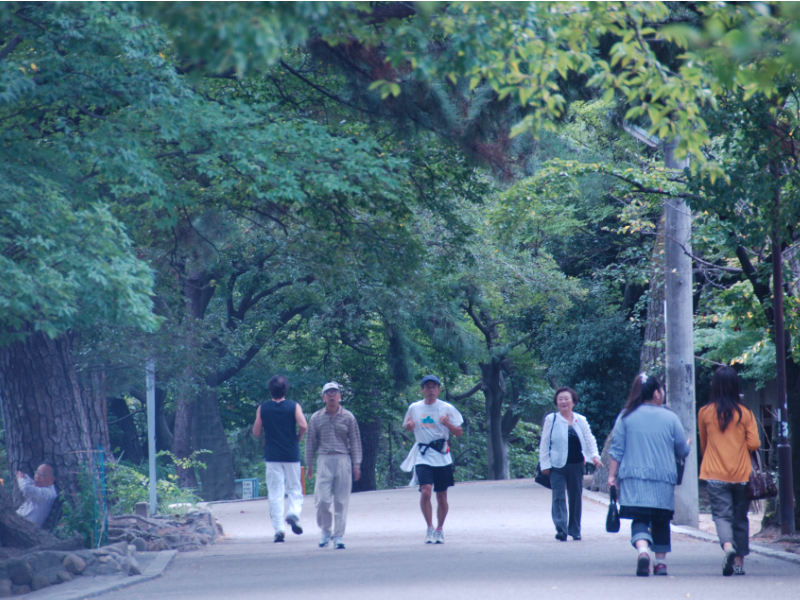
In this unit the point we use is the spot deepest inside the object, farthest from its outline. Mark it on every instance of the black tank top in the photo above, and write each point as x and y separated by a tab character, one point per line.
280	431
574	454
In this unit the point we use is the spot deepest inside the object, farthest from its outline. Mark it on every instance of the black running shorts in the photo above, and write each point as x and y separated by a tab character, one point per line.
440	477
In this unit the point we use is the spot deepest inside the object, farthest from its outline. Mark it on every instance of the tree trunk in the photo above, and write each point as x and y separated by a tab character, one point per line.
123	433
370	440
44	413
18	532
652	355
182	442
208	434
494	394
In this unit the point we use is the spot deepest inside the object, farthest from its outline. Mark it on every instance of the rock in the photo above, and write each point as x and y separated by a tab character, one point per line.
204	539
5	588
120	548
140	543
20	571
157	545
74	564
141	509
134	568
174	540
18	590
46	559
125	565
106	568
65	576
40	581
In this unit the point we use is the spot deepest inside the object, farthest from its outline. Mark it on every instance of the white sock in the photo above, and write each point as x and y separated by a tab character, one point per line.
661	561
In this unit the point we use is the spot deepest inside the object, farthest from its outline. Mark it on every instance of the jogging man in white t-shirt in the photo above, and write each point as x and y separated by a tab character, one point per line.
432	422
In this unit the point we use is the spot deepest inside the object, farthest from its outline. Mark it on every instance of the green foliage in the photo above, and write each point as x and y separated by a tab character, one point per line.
597	355
523	453
127	485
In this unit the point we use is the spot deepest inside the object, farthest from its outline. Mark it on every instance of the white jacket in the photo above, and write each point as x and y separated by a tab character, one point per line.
554	454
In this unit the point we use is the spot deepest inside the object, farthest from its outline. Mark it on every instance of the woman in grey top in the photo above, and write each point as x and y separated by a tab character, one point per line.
647	439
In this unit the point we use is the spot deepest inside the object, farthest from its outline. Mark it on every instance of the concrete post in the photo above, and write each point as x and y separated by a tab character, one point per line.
679	329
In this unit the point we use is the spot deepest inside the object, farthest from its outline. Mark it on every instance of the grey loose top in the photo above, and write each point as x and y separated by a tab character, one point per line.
646	443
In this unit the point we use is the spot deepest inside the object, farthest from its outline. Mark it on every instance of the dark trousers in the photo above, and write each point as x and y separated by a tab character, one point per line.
567	485
729	506
655	531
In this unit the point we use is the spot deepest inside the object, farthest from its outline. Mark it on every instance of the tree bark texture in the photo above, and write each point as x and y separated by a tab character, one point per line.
370	440
182	442
18	532
494	393
652	355
208	434
45	415
122	432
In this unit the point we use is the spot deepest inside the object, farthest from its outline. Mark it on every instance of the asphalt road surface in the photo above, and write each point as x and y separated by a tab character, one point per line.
499	543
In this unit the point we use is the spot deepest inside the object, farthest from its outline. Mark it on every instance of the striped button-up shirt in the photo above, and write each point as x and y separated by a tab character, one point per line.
337	434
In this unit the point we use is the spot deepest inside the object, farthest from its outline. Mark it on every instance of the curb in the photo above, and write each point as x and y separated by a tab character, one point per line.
707	537
96	588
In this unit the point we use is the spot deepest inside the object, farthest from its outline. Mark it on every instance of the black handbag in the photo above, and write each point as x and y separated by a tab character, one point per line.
541	478
612	520
680	464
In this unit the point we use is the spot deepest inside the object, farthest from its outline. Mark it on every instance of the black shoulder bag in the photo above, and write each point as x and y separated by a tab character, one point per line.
541	478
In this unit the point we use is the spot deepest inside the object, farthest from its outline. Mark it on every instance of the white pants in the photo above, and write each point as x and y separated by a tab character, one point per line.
283	479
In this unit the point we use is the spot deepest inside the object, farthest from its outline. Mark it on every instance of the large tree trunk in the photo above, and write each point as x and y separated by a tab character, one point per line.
18	532
208	434
182	442
370	438
45	416
123	433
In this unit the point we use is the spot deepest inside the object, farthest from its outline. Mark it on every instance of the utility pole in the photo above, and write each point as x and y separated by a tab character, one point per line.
679	327
679	351
785	483
150	369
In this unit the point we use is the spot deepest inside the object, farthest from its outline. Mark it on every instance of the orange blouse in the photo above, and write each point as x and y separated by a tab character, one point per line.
726	455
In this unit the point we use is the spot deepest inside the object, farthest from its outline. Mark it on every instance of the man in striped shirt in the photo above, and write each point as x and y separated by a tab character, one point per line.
333	434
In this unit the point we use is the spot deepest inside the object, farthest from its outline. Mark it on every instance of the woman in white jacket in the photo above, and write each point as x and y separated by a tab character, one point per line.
567	443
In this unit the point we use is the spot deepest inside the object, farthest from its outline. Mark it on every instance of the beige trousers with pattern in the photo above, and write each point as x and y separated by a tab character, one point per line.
332	492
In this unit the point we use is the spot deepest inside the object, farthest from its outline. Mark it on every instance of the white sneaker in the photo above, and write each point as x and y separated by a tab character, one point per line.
430	536
325	540
438	537
338	543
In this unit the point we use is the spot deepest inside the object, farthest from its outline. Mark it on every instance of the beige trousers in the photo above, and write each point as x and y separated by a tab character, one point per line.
332	491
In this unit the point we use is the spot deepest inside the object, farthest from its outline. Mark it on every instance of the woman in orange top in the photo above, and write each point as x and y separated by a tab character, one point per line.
728	432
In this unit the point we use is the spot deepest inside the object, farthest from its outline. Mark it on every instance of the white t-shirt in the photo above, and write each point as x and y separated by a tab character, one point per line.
428	428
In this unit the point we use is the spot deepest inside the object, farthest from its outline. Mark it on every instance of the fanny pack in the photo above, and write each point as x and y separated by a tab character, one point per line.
438	445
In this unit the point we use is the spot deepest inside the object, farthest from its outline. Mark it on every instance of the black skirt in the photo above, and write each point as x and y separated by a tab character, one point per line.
643	513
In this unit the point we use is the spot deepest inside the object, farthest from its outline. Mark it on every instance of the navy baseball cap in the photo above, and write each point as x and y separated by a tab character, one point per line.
428	378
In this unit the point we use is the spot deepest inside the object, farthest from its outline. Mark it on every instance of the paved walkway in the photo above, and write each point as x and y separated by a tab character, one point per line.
499	543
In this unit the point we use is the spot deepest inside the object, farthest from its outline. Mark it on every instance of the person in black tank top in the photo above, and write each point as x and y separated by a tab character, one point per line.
284	425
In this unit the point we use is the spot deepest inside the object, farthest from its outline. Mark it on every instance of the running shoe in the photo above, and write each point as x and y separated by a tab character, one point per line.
430	536
438	537
338	543
561	537
325	540
295	524
738	570
643	565
727	563
660	569
279	537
